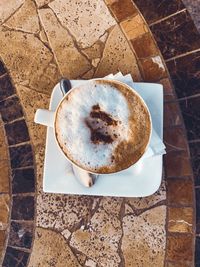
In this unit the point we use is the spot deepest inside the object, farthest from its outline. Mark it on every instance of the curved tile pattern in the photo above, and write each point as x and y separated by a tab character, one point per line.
180	211
70	220
21	177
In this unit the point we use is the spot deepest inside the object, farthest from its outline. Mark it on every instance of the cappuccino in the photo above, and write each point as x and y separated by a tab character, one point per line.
103	126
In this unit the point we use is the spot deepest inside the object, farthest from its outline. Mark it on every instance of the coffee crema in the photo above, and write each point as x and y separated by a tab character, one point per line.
103	126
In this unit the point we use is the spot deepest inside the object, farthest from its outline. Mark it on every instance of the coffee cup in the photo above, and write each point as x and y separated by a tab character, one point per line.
102	126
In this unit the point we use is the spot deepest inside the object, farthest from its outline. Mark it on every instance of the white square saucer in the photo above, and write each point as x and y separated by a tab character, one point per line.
141	180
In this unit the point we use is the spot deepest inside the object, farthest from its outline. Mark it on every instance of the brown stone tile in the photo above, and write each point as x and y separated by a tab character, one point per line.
21	156
194	10
17	132
2	242
14	257
4	208
144	238
191	115
184	72
59	254
177	164
197	197
23	208
172	115
175	139
20	234
144	46
178	264
30	61
197	250
6	87
25	19
23	181
153	69
105	236
134	27
4	174
180	191
118	56
31	101
154	10
180	220
195	159
11	109
180	247
123	9
167	86
170	98
179	34
3	145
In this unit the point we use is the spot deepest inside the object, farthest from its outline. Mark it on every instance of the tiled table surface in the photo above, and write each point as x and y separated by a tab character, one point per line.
42	41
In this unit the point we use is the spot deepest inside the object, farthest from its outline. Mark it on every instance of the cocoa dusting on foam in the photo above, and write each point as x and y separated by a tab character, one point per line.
102	126
99	123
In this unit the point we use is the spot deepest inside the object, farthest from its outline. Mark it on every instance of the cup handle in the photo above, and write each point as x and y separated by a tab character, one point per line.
44	117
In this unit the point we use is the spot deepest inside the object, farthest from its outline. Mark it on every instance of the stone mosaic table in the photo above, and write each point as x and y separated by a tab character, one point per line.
42	41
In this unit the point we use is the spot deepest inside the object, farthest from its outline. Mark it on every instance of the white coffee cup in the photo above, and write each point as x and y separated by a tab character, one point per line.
47	118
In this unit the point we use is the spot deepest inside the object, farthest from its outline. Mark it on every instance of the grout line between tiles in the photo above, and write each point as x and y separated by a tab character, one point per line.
167	17
182	55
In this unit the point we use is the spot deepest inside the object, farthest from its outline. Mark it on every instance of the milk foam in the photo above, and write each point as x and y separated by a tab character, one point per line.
74	135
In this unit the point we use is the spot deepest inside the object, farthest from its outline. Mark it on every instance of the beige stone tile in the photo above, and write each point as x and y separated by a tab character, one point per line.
90	263
71	62
8	7
3	145
50	249
62	211
39	152
41	3
118	56
111	205
144	238
81	258
25	19
95	51
86	20
88	75
43	36
4	176
134	27
99	238
147	202
29	61
2	243
4	208
31	101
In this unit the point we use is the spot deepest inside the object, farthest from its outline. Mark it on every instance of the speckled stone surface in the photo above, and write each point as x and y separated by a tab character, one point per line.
44	40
